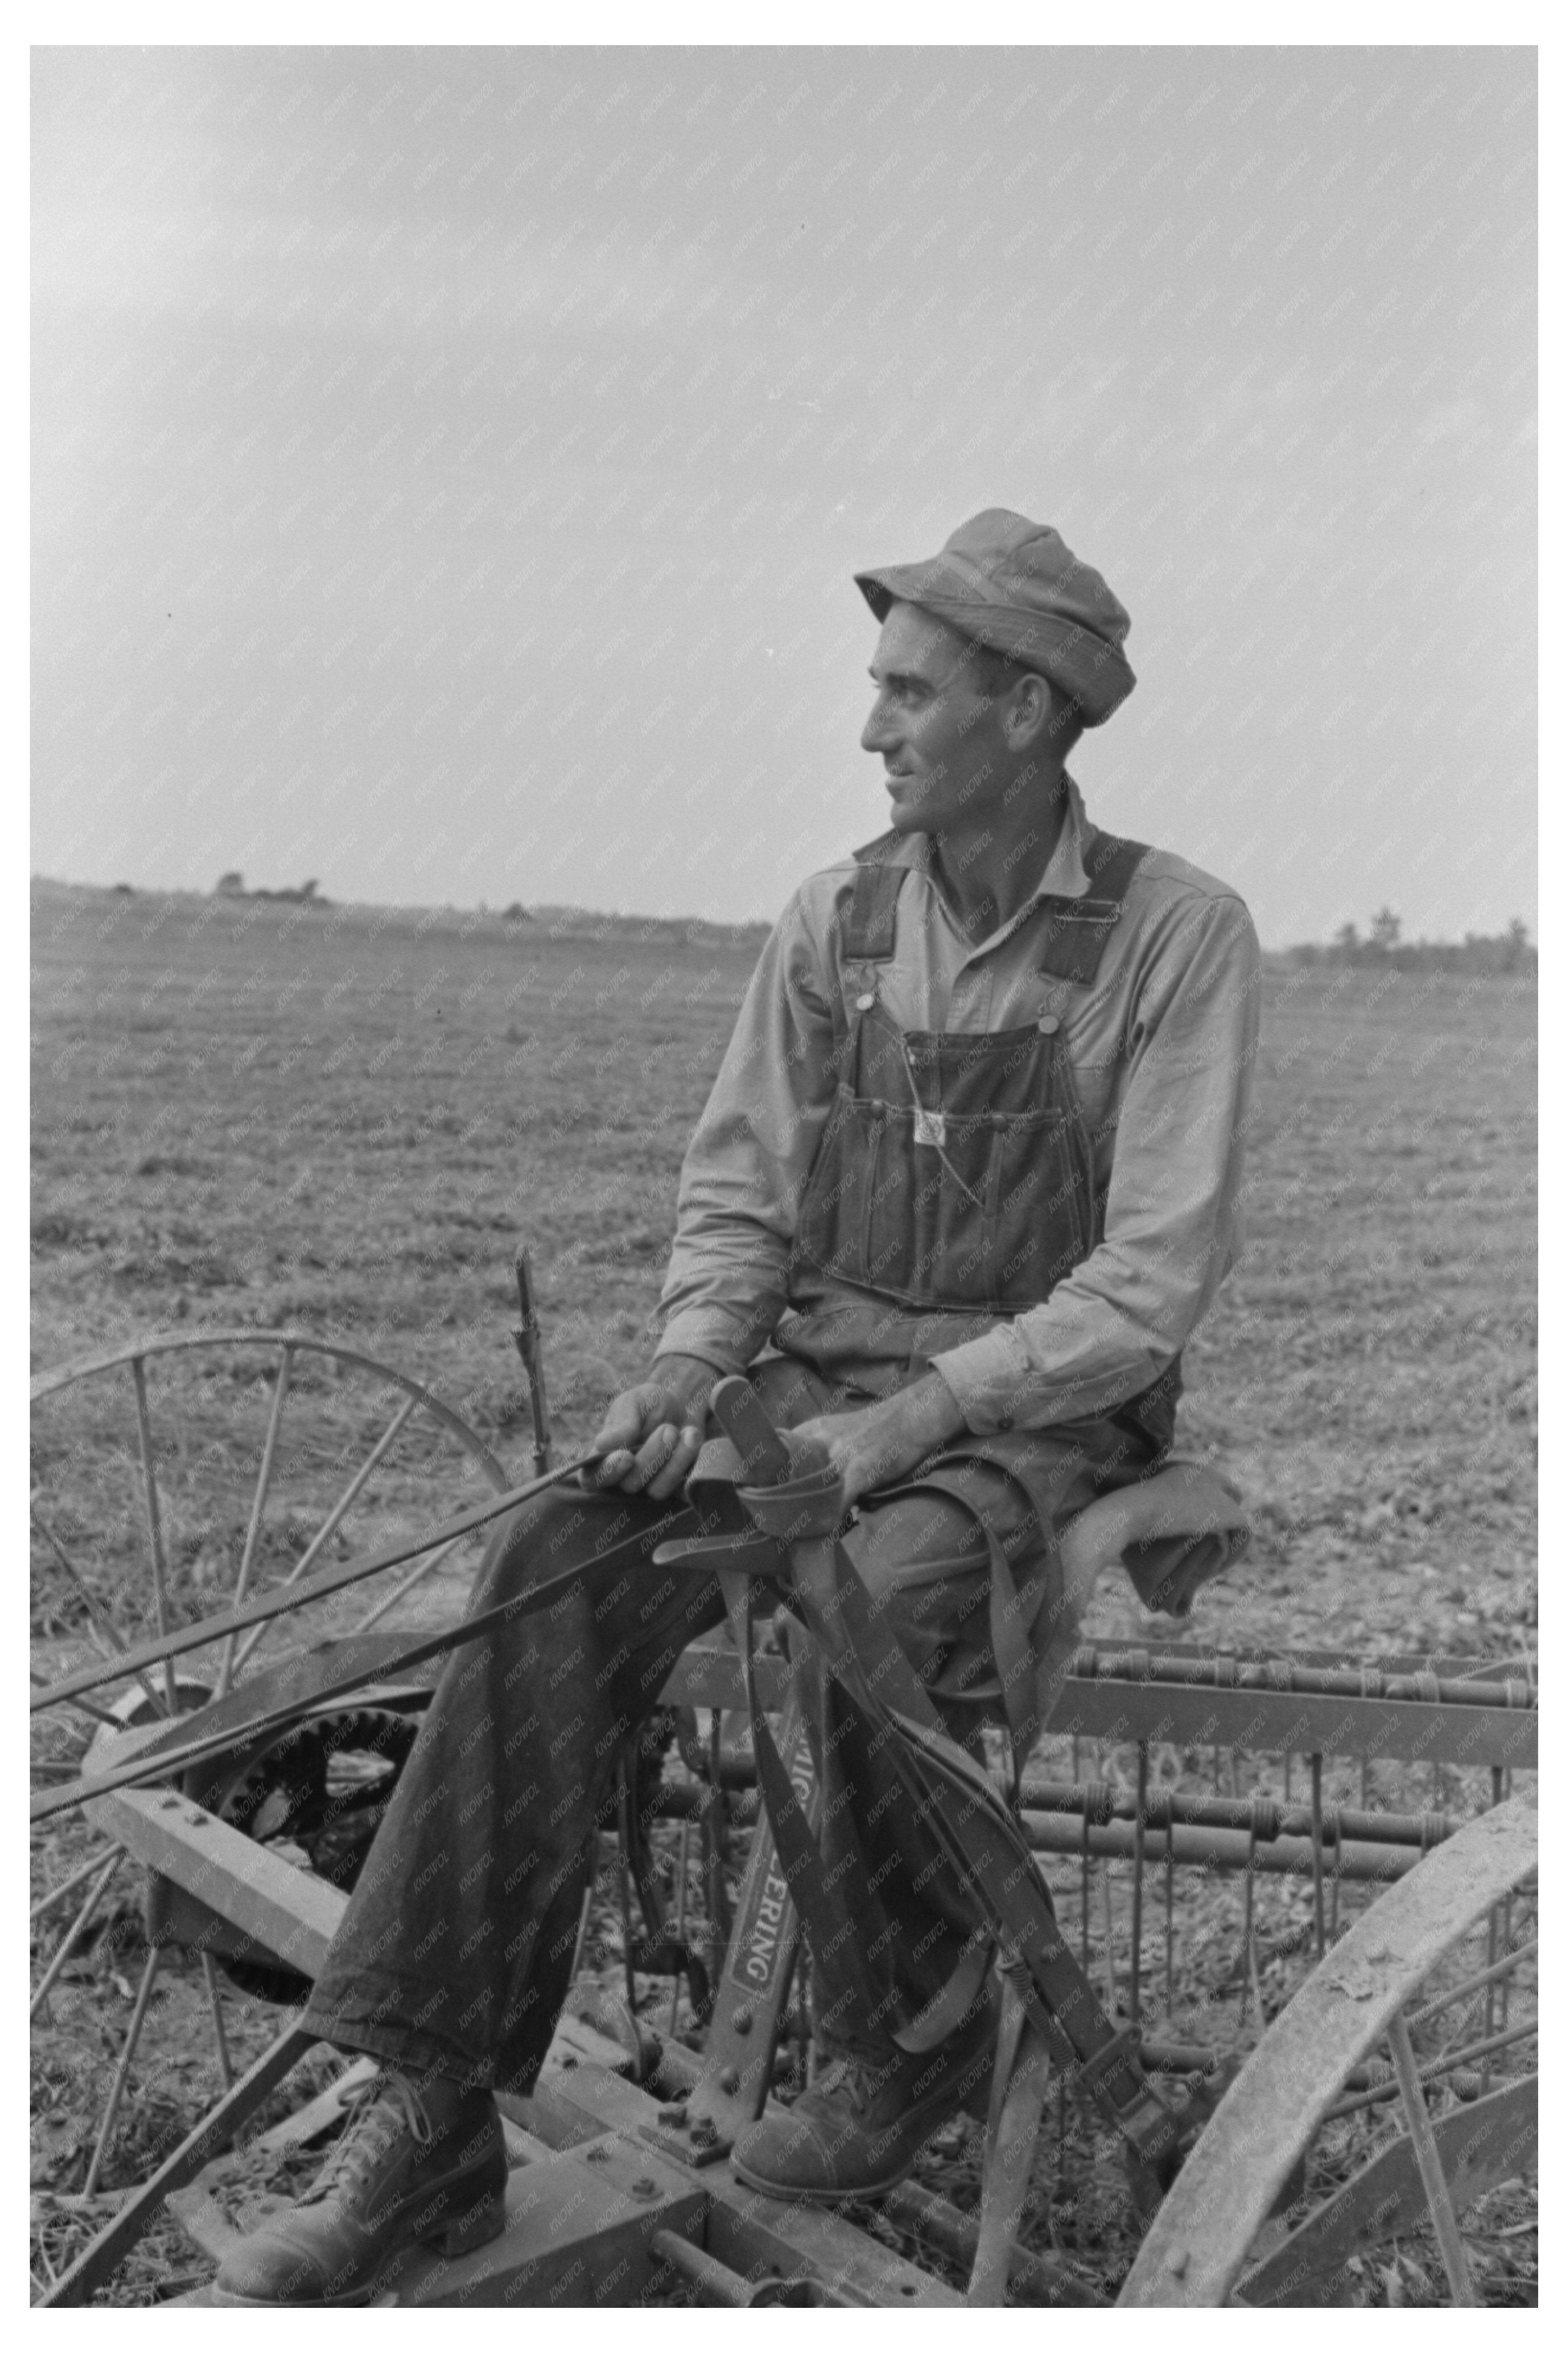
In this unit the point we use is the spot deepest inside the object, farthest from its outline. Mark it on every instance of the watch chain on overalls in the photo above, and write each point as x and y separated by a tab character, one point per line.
955	1174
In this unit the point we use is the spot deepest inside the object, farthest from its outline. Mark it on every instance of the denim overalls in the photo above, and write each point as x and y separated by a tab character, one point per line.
954	1184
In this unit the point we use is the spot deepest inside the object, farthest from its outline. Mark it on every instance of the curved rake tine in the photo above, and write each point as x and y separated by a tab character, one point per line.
421	1568
63	1950
1139	1834
154	1521
1428	2159
224	2066
68	1886
258	1505
110	1631
590	1889
681	1868
117	2089
333	1519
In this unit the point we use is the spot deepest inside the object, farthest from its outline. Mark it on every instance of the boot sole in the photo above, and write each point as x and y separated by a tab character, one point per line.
942	2112
791	2194
460	2234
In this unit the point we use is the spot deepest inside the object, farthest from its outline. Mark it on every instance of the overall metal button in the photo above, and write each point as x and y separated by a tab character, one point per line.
864	1004
1048	1025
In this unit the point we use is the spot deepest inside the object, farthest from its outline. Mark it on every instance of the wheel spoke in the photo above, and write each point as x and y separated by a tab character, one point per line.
95	1609
215	1995
117	2089
332	1521
154	1521
1486	1977
1449	2065
421	1569
1434	2181
1317	1765
89	1706
258	1505
66	1886
1197	2243
97	2261
63	1950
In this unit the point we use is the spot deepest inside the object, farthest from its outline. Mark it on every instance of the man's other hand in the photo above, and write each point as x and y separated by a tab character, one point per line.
877	1445
650	1435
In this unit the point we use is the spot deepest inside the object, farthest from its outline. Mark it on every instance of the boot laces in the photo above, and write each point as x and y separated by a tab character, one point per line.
853	2073
379	2113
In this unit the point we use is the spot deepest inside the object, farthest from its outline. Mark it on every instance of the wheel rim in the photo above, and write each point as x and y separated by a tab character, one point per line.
1197	2248
139	1578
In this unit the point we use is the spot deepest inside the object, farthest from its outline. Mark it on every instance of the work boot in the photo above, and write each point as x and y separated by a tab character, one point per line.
414	2166
856	2132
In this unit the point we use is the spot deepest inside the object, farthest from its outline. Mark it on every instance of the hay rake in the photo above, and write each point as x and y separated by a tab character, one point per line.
248	1828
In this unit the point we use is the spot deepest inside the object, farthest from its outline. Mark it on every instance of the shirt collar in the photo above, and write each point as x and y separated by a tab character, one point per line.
1066	875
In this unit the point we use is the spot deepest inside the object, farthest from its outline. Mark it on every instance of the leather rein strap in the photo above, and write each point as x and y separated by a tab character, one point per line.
814	1576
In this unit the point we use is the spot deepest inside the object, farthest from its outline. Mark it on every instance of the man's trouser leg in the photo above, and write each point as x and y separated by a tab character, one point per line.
454	1954
455	1951
925	1562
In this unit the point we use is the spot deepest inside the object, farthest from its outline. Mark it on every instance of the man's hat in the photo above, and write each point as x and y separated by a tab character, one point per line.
1016	586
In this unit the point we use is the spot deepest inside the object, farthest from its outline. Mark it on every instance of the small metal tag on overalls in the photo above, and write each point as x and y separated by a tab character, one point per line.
930	1127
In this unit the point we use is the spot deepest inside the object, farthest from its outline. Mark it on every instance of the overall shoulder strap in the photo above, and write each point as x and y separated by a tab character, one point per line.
1077	928
870	918
1112	863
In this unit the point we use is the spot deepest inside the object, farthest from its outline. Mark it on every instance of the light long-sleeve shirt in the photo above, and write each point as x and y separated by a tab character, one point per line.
1161	1047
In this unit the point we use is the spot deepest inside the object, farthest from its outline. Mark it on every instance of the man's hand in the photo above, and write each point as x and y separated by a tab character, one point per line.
876	1446
650	1435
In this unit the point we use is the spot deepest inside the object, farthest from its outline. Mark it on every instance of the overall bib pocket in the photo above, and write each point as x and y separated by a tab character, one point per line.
954	1170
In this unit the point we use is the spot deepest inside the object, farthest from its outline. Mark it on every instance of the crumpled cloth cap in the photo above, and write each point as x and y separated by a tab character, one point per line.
1016	586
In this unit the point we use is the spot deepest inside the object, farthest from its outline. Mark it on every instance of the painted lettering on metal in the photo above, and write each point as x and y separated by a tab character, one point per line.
765	1939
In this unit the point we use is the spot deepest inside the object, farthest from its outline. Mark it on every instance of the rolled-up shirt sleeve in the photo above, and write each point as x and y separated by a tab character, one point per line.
746	1170
1113	1325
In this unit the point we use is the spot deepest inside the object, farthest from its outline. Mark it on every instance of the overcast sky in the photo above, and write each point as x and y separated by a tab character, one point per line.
449	466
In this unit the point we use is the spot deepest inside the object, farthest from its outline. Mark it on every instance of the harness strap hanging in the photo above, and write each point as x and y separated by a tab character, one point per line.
992	1857
1013	1610
822	1907
1019	2085
956	1798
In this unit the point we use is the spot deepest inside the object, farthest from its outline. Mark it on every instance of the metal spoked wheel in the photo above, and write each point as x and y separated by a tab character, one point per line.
173	1476
1441	1973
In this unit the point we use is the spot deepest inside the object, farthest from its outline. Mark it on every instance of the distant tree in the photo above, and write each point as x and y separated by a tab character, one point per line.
308	890
1502	952
231	886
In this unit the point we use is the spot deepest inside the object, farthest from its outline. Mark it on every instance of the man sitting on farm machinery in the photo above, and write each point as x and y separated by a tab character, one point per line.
966	1182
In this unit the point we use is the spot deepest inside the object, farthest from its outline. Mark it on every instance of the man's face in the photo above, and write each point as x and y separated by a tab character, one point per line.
940	742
